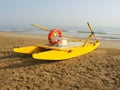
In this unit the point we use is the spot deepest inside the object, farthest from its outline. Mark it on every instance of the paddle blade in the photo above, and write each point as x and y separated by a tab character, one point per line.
41	27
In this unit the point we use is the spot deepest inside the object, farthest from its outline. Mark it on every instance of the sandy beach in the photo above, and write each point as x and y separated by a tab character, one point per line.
97	70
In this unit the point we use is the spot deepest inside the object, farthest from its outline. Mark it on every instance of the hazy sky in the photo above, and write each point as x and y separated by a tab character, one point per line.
60	12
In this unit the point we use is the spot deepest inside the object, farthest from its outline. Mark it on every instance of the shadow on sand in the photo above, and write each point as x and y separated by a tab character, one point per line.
23	59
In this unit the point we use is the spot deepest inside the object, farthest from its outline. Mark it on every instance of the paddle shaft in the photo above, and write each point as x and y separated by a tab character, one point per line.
92	32
47	29
41	27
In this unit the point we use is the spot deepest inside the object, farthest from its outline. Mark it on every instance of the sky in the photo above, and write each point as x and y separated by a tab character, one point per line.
60	12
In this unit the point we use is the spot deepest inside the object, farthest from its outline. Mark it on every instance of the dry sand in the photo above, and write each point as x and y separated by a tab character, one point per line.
98	70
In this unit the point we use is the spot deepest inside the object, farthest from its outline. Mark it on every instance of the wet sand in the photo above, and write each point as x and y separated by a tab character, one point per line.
97	70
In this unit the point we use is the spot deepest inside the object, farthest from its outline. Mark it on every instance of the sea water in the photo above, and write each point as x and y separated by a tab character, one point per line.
102	33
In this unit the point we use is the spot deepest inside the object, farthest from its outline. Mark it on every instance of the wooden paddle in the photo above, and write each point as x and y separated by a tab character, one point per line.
92	32
47	29
41	27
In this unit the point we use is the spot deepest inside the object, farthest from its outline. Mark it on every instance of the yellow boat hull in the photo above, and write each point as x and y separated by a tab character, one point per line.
63	55
26	50
43	52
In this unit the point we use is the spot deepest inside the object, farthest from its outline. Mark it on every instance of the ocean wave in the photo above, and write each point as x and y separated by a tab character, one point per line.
101	33
90	32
